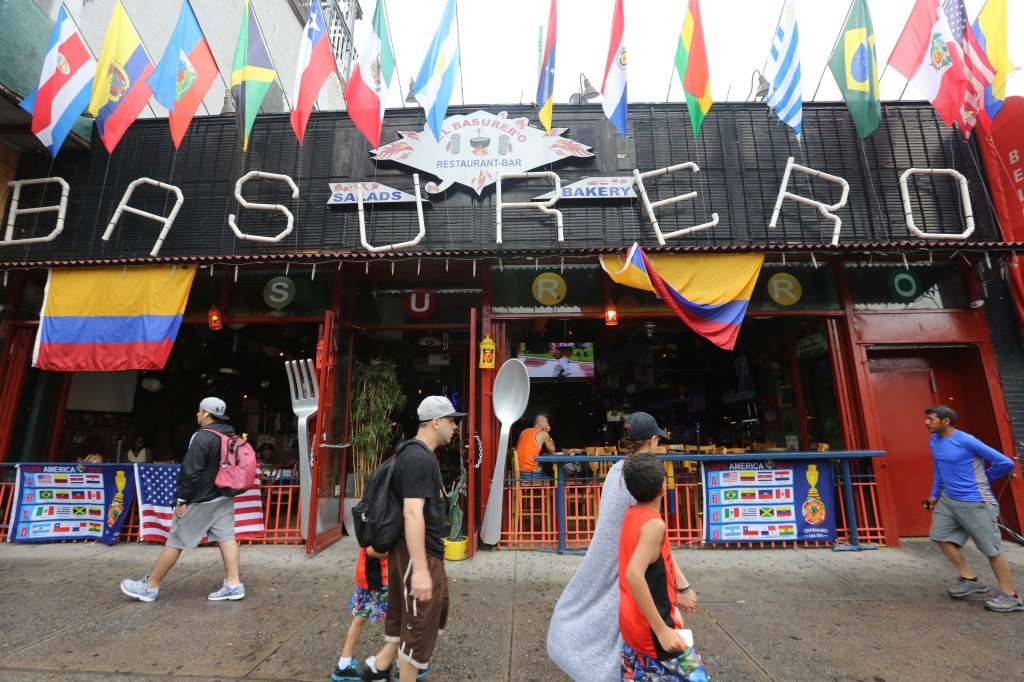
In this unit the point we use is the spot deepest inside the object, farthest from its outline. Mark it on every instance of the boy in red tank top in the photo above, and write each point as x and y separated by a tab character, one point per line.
652	588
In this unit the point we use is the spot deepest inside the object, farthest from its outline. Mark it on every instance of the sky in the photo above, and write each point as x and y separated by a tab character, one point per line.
500	53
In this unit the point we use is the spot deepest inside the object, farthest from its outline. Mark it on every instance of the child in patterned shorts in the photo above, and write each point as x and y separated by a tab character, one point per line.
370	602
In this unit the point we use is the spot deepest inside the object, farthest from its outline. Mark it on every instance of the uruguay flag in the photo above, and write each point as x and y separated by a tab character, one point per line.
64	85
436	81
185	73
710	293
546	86
613	89
784	88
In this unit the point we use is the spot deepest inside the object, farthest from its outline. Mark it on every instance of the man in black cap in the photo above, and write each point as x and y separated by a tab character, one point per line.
418	585
200	509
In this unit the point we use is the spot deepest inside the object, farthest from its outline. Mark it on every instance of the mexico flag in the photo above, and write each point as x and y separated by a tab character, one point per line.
367	91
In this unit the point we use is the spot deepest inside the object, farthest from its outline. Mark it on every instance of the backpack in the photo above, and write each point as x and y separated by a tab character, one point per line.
237	470
378	517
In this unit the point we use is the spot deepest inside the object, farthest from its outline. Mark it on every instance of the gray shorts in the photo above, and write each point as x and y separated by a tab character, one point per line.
954	521
214	519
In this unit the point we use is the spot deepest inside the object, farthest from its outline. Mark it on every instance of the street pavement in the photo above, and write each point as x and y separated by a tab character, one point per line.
784	614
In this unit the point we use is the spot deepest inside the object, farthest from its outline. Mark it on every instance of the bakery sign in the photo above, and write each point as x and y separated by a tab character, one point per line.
474	149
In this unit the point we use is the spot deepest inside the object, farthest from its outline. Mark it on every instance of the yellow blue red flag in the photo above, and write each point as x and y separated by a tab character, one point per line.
106	319
546	86
710	293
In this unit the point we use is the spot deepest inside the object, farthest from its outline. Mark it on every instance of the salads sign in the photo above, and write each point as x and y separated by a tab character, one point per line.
474	149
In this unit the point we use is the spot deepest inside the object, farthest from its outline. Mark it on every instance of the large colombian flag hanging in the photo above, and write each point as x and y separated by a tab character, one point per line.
108	319
709	293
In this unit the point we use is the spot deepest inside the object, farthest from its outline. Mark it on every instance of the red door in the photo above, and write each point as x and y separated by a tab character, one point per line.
904	383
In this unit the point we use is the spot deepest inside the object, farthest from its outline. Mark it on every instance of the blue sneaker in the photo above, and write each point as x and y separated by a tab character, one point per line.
139	589
228	592
349	672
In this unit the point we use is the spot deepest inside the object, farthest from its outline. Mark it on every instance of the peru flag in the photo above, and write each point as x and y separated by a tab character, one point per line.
185	73
316	62
929	57
64	87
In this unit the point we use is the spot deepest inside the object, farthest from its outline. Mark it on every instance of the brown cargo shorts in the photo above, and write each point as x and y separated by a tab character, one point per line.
414	624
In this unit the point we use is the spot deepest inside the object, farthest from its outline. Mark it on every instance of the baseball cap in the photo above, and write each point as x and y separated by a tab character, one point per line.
215	406
641	426
436	407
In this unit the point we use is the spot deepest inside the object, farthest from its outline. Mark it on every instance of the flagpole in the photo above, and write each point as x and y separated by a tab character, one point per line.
832	51
220	73
277	73
398	76
458	34
142	43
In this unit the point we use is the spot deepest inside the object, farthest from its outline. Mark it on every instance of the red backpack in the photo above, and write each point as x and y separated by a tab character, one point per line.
237	472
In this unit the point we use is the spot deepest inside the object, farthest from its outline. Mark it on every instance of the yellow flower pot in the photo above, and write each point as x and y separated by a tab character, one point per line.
457	550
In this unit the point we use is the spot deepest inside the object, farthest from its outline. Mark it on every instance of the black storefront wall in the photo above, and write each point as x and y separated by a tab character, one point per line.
742	154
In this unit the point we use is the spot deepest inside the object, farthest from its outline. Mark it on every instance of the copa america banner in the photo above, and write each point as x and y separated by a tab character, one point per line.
769	501
71	502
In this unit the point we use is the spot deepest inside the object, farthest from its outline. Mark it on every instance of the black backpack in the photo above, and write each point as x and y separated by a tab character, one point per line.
378	518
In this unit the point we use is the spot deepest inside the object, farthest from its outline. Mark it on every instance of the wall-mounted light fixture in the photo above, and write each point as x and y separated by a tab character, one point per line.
611	314
215	318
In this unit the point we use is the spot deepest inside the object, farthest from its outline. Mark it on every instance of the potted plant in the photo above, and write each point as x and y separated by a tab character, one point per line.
456	544
376	398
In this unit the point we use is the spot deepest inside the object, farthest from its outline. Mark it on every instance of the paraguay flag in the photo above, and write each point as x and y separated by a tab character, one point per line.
613	89
546	86
119	90
64	85
105	319
710	293
185	73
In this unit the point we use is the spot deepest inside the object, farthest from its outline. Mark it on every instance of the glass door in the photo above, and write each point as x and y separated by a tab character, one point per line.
329	448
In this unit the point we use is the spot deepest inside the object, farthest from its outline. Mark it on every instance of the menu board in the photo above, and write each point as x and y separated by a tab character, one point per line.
768	501
71	502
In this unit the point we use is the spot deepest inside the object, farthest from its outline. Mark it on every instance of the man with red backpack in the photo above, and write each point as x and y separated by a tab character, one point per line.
201	508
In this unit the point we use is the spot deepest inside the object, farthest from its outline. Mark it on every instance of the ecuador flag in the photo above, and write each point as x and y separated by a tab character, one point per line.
710	293
108	319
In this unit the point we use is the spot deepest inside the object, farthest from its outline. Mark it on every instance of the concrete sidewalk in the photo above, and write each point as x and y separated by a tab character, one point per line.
764	615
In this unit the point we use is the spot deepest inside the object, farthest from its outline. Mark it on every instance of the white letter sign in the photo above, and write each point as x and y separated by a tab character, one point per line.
965	197
60	208
166	222
263	207
823	209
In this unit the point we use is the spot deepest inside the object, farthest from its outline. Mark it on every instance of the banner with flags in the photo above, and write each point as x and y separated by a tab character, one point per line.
156	485
71	502
977	69
252	72
785	94
855	68
435	83
546	85
367	92
102	319
692	67
613	88
316	62
928	56
120	91
185	73
65	85
990	31
710	293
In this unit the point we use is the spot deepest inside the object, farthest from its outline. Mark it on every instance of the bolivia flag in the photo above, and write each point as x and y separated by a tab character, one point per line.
185	73
692	67
252	72
119	89
709	293
107	319
367	91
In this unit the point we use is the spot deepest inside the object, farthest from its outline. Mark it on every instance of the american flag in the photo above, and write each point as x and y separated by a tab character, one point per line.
980	72
156	484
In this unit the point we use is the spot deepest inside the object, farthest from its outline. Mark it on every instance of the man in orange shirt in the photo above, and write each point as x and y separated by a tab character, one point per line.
531	442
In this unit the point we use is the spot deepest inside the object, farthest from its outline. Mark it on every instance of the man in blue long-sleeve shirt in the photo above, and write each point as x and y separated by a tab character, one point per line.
965	507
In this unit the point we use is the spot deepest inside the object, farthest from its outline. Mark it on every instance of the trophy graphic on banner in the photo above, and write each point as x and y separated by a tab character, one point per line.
117	505
813	509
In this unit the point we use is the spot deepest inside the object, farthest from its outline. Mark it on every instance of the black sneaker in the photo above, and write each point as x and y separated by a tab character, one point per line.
368	672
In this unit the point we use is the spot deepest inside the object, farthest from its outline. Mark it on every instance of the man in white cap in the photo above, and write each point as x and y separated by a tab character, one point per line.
418	585
200	509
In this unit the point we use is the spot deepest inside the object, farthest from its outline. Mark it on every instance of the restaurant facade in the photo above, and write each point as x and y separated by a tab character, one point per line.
886	294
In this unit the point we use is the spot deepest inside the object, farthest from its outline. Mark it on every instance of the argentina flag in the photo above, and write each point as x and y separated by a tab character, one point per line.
783	72
436	80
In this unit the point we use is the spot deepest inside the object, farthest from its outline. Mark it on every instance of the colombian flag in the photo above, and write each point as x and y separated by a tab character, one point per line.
108	319
120	91
709	293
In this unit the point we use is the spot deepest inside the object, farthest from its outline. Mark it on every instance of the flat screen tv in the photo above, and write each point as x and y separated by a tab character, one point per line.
558	360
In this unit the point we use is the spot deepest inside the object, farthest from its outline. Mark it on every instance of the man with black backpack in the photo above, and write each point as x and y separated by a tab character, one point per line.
200	509
418	585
